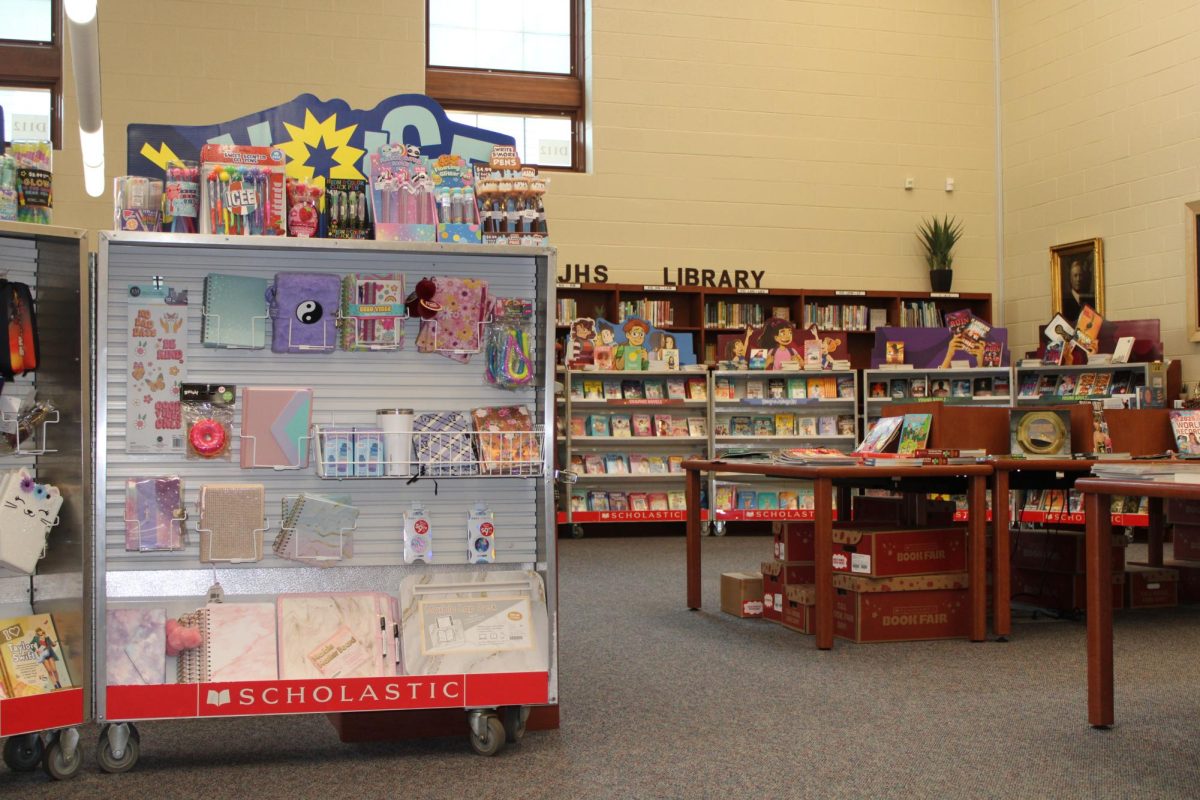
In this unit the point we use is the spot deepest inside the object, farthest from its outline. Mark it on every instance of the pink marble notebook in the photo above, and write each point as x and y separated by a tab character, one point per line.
239	644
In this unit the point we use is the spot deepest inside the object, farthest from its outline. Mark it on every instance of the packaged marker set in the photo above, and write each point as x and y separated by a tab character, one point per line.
510	196
402	195
346	214
454	195
242	190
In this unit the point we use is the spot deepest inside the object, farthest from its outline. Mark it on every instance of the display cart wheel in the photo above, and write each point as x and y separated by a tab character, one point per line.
576	531
119	748
718	528
487	733
514	719
23	753
63	756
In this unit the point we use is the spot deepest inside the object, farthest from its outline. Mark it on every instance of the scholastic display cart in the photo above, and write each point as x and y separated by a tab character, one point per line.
45	435
323	484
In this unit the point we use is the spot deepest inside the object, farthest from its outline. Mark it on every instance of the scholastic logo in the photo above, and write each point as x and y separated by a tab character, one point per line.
218	698
285	697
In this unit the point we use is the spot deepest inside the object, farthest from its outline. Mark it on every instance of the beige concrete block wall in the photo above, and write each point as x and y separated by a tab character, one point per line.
1101	137
776	137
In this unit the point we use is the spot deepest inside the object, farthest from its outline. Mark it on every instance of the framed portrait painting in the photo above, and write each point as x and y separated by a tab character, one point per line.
1077	277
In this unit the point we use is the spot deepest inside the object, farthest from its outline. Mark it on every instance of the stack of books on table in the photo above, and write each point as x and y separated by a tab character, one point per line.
1158	471
812	456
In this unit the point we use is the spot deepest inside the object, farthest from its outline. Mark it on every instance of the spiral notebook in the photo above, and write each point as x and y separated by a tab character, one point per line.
235	311
238	644
317	530
232	522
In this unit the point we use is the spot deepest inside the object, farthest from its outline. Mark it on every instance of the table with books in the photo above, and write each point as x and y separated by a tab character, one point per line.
1169	480
843	474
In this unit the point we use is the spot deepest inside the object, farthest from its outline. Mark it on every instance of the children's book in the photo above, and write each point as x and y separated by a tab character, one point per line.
914	433
880	435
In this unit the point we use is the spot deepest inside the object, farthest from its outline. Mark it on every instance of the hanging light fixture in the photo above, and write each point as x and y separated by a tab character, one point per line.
85	64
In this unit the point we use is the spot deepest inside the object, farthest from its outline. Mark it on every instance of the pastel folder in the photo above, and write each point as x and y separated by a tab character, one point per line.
275	426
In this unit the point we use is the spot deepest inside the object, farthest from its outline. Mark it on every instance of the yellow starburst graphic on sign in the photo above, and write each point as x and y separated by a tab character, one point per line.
321	150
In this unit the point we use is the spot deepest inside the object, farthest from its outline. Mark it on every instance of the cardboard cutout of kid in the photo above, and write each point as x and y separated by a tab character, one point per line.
581	343
783	343
635	343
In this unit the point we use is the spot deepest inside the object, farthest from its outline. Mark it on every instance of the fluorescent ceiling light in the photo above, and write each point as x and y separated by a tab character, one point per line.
92	145
80	12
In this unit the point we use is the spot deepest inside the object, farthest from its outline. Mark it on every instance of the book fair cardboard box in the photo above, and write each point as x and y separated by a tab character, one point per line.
901	609
891	553
1188	573
799	603
777	574
1059	591
742	594
1059	551
1186	539
1151	587
795	541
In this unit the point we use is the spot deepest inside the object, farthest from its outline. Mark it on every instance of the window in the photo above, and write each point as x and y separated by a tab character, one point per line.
513	67
31	69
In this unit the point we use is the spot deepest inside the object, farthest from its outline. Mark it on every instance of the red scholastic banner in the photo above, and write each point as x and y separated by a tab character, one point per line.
508	689
628	516
41	712
158	701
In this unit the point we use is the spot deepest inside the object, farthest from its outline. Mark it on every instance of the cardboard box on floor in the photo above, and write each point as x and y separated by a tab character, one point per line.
795	541
1186	539
1151	587
1059	551
742	594
1189	580
777	574
901	609
889	553
799	603
1059	591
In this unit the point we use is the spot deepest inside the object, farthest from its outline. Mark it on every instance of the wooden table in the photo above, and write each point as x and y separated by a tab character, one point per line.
1097	499
901	477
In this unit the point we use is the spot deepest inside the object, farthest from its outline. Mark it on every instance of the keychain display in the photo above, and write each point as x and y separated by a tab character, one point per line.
481	535
508	343
418	536
208	420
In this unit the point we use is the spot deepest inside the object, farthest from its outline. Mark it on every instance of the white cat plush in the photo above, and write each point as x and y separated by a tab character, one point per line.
28	510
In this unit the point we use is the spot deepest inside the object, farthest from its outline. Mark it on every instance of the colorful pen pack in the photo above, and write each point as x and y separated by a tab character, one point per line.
346	215
304	309
242	190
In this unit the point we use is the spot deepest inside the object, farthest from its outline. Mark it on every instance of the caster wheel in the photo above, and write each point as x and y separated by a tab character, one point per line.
57	764
109	762
514	718
493	739
718	529
576	531
23	753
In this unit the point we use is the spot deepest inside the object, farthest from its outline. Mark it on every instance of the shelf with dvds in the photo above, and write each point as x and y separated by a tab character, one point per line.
984	386
626	441
285	524
776	409
45	458
1052	383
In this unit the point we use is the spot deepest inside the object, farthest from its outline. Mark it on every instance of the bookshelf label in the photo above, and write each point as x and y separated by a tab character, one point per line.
711	278
648	288
753	291
944	294
851	292
568	286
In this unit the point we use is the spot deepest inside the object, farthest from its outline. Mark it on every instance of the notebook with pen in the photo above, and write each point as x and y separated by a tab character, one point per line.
275	426
235	311
336	635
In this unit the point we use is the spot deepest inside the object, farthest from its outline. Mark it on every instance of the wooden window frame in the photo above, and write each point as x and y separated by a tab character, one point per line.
497	91
38	65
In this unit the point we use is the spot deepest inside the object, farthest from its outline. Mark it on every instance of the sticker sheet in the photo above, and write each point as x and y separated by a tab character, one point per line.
157	338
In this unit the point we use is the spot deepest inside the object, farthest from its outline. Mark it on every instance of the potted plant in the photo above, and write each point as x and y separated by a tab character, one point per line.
938	237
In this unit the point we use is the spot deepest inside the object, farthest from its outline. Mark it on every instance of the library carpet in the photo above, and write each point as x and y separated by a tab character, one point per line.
658	701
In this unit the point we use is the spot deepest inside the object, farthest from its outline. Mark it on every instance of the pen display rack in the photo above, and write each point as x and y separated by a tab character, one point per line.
342	412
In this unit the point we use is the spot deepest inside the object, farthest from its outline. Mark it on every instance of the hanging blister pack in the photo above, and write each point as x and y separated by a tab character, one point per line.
481	536
418	536
509	343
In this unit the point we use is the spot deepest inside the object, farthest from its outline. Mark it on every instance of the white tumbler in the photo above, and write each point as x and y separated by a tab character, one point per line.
396	424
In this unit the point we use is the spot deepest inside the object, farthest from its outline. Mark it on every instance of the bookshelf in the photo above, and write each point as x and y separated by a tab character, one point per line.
975	386
708	313
1055	384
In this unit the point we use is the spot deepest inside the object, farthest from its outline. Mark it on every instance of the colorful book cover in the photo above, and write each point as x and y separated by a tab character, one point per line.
918	387
957	321
789	501
880	435
993	354
614	464
754	389
638	502
632	390
1066	385
1000	386
612	390
1087	329
593	464
639	464
1046	385
1029	386
827	426
677	389
655	390
879	389
740	426
618	501
806	426
677	501
1085	383
1101	384
598	425
597	501
747	499
658	465
32	658
622	425
1121	382
777	388
764	426
696	427
845	425
768	501
797	388
894	353
960	387
593	390
724	496
785	424
675	465
1053	354
898	388
658	501
724	388
697	389
845	386
602	356
814	353
914	433
663	425
642	425
1185	424
275	426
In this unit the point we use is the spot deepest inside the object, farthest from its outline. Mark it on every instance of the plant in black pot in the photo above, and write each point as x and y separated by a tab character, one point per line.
938	237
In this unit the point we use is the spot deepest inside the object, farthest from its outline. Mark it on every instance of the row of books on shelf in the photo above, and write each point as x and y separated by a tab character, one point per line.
566	310
628	501
741	315
622	464
630	425
729	497
785	424
1070	501
1079	384
844	317
659	313
920	314
695	388
923	386
815	387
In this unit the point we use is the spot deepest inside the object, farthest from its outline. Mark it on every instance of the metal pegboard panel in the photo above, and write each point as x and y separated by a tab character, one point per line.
348	387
